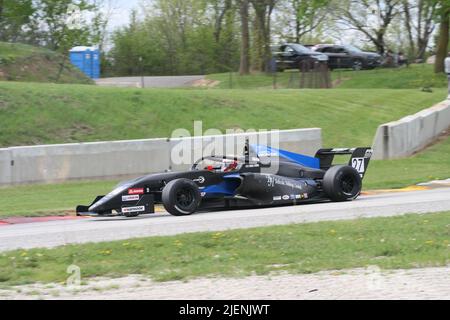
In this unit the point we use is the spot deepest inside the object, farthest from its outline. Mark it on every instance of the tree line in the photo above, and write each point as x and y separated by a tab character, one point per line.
54	24
170	37
205	36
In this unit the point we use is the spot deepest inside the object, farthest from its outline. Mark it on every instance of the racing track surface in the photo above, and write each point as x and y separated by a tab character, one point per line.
55	233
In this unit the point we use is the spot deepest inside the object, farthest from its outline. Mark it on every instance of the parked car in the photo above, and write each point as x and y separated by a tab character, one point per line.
290	56
347	56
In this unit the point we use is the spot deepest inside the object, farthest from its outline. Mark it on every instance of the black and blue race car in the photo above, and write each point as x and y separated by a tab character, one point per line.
262	177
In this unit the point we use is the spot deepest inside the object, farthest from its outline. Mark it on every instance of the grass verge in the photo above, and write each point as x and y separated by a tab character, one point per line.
21	62
414	77
44	114
398	242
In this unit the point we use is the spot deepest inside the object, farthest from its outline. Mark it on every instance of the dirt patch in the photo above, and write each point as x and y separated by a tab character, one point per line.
70	134
3	104
205	83
338	82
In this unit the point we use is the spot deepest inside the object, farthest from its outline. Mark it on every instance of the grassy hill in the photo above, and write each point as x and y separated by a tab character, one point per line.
414	77
19	62
46	113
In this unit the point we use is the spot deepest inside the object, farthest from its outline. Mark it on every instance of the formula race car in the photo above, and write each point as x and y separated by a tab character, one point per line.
262	177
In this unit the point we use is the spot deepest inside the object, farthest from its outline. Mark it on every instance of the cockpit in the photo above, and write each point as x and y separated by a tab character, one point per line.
217	164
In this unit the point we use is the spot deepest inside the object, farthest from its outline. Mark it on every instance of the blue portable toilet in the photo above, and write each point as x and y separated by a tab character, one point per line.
87	59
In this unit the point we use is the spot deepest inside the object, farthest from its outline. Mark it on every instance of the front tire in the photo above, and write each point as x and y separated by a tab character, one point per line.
357	65
181	197
342	183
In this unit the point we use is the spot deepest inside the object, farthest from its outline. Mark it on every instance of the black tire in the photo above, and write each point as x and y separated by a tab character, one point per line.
181	197
357	65
342	183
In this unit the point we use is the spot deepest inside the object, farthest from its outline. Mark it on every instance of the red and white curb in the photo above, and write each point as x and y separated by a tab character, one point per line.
22	220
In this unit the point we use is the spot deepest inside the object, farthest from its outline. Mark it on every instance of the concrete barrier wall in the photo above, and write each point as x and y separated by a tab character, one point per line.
102	160
402	138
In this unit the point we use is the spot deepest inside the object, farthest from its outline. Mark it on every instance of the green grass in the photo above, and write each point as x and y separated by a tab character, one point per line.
399	242
432	164
44	113
9	51
20	62
41	200
50	199
414	77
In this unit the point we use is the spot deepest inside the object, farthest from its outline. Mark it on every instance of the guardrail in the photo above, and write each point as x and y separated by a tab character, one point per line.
103	160
410	134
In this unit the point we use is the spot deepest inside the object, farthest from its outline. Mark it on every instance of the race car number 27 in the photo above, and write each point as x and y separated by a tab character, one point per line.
358	164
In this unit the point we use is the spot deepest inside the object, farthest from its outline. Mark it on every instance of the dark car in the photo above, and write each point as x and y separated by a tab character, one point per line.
291	55
347	56
217	182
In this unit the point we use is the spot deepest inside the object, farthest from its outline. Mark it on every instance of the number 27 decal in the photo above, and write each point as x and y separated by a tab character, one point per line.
358	164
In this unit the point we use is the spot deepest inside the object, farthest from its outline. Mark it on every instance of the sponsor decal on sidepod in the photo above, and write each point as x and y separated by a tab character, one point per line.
133	209
130	198
136	191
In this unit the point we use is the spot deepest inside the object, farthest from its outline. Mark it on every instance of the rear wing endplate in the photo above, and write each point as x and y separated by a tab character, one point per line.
360	158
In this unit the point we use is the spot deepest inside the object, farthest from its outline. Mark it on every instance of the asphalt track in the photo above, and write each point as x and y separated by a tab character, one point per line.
57	233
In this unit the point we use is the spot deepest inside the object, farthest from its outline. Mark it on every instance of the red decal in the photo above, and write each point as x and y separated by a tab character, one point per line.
136	191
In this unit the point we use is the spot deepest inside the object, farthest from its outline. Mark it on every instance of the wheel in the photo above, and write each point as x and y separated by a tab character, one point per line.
181	197
342	183
357	65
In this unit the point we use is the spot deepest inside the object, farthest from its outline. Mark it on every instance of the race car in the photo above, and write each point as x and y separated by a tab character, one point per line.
262	177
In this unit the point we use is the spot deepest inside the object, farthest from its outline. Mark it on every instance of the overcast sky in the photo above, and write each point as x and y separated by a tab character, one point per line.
122	10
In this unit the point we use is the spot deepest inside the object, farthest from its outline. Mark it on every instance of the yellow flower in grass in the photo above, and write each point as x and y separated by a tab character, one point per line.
178	243
217	235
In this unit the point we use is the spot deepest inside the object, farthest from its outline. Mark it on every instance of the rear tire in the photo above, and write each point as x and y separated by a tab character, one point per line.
342	183
181	197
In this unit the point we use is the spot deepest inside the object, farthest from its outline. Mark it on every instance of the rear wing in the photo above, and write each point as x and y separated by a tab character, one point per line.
360	158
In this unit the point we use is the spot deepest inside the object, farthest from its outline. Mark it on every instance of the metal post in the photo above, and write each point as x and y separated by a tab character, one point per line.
142	73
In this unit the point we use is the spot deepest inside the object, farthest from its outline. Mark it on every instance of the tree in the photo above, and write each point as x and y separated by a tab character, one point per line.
443	39
244	67
372	18
309	14
419	16
14	15
263	13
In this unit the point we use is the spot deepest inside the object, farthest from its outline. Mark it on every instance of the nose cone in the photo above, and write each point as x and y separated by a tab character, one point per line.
111	201
98	206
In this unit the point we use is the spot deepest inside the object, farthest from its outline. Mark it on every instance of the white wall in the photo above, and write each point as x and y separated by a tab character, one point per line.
402	138
100	160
